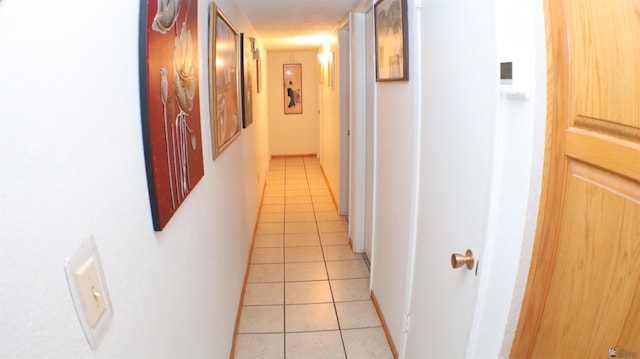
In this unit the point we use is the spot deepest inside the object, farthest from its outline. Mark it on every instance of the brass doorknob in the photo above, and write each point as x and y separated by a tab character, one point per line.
458	260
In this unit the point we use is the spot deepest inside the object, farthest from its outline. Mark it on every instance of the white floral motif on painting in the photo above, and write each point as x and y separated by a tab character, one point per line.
185	84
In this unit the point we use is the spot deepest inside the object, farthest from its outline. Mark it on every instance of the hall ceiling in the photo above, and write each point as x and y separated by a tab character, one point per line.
295	24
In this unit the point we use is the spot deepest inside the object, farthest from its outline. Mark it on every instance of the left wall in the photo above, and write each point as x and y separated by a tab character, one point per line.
72	165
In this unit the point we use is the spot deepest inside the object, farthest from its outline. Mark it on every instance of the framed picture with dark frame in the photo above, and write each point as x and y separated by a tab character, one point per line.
224	81
292	86
247	80
169	104
392	60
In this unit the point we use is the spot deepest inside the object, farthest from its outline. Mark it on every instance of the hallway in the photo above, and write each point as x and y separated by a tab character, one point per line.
307	293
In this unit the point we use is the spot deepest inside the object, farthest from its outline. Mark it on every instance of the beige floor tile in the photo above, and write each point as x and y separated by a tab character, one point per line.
295	272
298	200
274	192
322	199
301	240
277	182
294	162
302	254
310	317
273	200
328	216
270	228
266	273
296	172
298	193
267	255
334	238
324	207
316	345
263	346
262	319
333	226
300	227
264	294
297	186
340	253
305	207
271	217
317	182
272	208
360	314
269	241
320	192
307	292
369	343
292	183
350	289
300	217
347	269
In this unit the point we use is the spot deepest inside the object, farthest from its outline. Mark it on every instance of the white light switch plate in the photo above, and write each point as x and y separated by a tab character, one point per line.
89	292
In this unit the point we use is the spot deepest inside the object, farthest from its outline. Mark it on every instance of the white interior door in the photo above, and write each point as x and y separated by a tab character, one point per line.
458	109
345	103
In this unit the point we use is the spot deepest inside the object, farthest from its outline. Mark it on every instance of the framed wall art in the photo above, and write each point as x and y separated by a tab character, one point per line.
392	60
224	81
247	80
170	109
292	86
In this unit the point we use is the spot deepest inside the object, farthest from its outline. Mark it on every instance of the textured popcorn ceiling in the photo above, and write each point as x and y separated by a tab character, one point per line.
287	24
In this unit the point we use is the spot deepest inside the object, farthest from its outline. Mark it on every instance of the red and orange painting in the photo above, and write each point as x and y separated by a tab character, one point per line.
170	105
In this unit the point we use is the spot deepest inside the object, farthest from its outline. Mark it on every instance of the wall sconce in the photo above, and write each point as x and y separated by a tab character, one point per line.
323	58
255	52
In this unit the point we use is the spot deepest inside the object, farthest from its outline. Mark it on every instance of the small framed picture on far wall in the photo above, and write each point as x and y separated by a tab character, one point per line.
292	88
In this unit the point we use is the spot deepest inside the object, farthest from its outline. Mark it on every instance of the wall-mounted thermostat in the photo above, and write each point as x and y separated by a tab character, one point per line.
506	73
515	78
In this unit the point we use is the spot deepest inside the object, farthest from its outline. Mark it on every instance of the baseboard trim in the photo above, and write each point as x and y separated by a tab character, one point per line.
291	156
246	277
333	198
394	351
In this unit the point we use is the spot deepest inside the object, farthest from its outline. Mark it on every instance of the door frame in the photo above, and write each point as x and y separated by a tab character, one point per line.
545	242
345	106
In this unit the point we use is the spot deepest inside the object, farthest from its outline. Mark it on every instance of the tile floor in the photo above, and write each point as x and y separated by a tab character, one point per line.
307	293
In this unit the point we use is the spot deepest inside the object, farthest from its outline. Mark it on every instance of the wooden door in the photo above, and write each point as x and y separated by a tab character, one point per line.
583	293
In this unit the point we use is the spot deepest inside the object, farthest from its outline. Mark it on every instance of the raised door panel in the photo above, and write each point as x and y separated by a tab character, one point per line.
595	279
605	41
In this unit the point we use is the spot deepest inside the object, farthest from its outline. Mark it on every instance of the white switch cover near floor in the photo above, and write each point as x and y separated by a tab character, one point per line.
89	292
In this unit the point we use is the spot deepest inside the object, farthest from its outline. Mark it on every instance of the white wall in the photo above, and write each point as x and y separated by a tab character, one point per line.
330	120
397	124
73	165
293	134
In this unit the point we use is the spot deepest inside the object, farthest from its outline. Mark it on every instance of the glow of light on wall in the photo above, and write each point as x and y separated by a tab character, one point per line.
311	40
